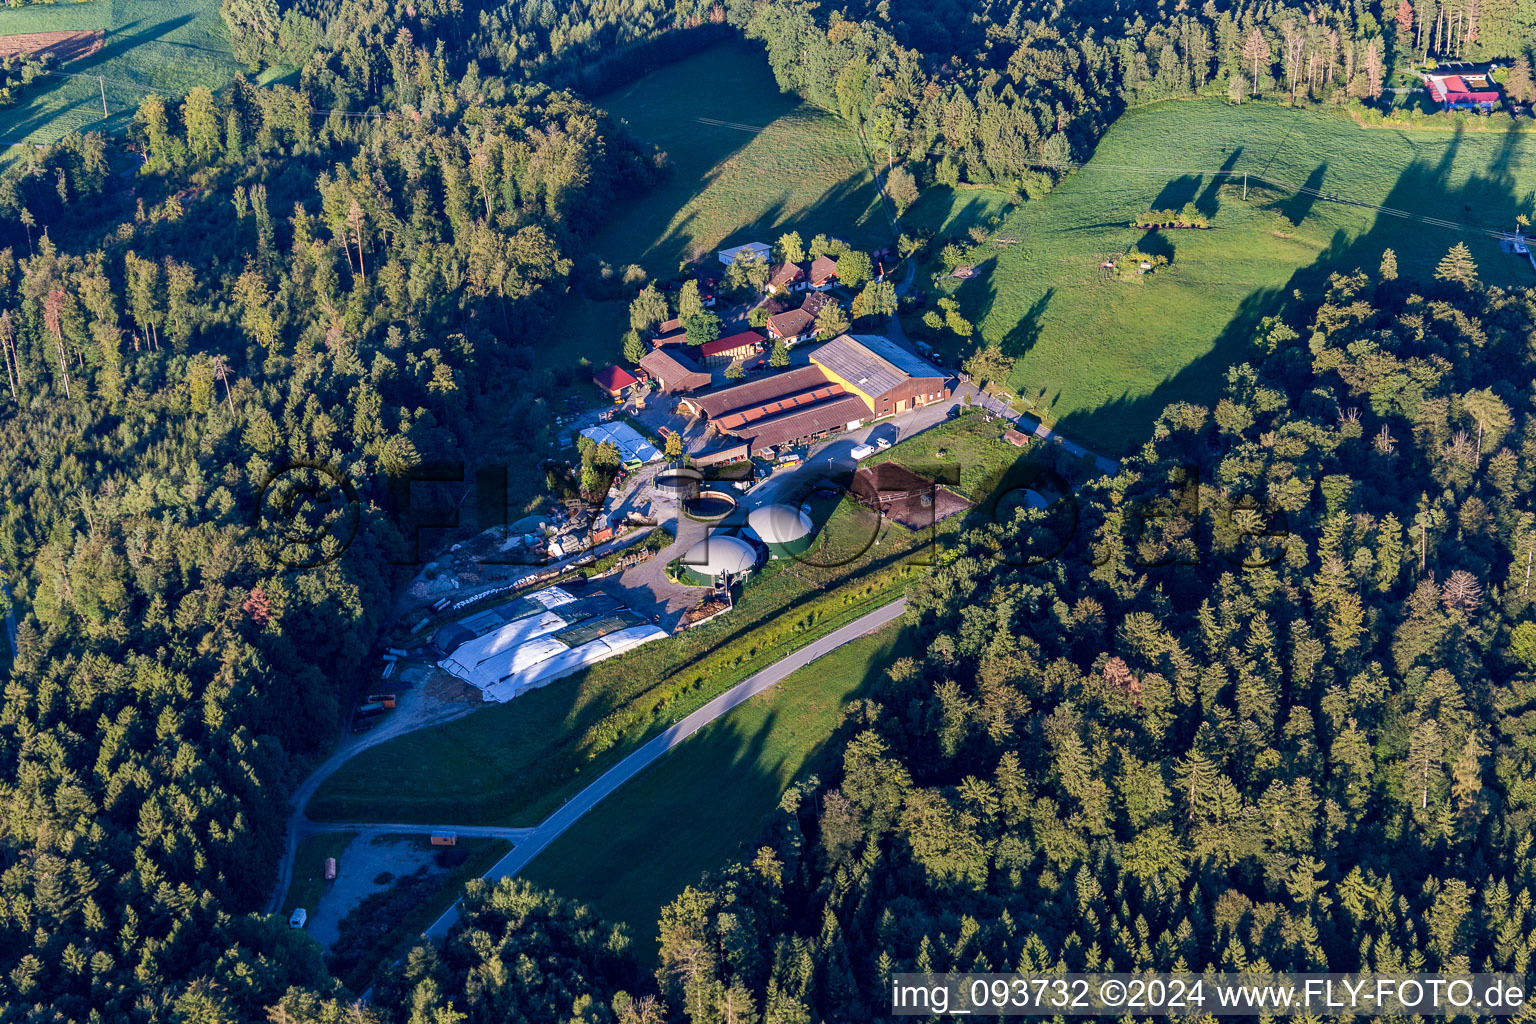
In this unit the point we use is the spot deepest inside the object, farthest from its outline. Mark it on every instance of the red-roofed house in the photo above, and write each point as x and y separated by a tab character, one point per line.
786	277
724	351
823	272
613	379
1454	92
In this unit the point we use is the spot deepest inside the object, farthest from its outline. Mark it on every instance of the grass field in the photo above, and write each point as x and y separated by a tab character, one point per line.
692	810
802	170
1101	357
164	46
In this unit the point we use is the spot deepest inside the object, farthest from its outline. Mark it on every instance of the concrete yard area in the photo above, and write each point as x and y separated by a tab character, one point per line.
366	859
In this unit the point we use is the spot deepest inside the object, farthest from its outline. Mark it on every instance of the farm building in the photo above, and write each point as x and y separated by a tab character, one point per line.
674	371
632	445
721	456
717	555
785	530
613	379
551	640
728	256
1457	89
888	377
850	381
823	273
786	277
669	332
786	408
491	620
724	351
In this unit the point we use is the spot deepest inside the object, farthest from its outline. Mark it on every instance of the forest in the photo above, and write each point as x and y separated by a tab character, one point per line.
1189	738
1008	93
275	289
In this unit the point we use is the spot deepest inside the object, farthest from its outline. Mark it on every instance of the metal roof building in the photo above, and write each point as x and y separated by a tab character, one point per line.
555	636
728	256
631	444
792	406
889	377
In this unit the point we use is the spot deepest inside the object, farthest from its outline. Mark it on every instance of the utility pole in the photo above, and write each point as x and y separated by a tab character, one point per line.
103	83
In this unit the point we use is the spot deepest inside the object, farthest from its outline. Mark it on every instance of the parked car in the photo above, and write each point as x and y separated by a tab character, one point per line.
883	443
298	918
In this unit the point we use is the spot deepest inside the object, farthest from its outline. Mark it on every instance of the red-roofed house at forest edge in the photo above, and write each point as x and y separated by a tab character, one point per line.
1457	92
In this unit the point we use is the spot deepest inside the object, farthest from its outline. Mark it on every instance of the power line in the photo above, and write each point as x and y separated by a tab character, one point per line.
1330	197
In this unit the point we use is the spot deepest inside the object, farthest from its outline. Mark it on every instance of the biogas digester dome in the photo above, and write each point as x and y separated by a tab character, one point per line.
787	531
715	555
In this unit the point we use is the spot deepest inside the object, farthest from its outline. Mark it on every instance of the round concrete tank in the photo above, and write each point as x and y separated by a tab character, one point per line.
678	482
787	531
716	555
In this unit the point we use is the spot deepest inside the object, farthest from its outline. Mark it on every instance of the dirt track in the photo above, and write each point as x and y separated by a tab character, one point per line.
63	46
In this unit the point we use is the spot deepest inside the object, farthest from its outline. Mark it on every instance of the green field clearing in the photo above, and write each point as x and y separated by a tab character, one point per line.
1102	357
947	211
691	811
164	46
804	171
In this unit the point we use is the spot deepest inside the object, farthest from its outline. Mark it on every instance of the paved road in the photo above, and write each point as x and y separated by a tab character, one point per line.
382	828
540	837
300	826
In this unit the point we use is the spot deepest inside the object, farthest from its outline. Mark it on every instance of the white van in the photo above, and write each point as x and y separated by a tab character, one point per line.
300	916
862	451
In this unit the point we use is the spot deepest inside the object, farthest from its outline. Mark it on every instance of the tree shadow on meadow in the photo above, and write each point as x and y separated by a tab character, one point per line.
851	207
1209	201
1155	243
637	850
1423	188
1021	337
1178	193
1296	208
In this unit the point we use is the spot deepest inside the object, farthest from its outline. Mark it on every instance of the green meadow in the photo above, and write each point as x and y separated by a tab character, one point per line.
1100	355
164	46
692	811
774	165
